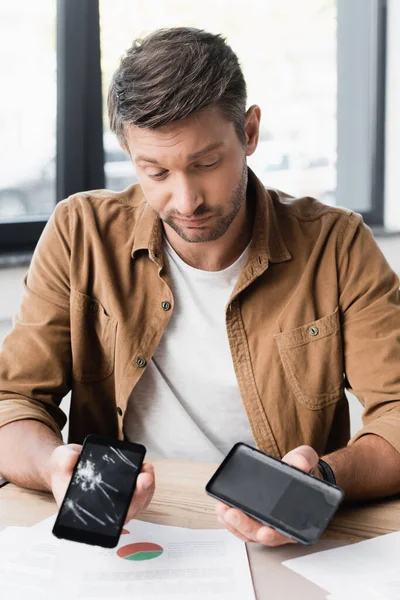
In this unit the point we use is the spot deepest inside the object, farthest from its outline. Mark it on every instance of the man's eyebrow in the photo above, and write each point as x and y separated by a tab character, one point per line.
146	158
205	150
191	157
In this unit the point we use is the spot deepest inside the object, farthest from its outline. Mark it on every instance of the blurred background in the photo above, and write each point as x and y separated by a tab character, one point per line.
324	72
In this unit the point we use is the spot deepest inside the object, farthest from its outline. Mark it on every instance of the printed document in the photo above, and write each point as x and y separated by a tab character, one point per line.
149	562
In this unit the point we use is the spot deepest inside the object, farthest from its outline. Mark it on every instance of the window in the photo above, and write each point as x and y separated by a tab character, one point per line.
315	67
361	101
51	114
27	109
118	169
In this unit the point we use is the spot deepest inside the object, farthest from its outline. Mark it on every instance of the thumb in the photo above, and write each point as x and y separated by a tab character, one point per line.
65	457
303	457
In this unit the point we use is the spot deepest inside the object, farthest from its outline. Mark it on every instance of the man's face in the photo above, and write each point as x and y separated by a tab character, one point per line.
193	173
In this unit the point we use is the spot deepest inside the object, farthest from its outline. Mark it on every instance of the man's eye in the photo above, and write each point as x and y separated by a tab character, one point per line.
159	175
208	165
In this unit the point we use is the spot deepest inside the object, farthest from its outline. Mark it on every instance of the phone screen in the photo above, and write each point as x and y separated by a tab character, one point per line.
274	493
100	491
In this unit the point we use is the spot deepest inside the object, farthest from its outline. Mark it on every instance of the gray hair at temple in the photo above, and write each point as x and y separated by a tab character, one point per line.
174	73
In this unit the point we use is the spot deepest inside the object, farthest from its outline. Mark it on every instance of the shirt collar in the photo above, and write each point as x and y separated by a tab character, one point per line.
267	242
148	234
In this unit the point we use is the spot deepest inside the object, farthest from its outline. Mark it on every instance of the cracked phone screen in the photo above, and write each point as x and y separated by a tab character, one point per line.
100	489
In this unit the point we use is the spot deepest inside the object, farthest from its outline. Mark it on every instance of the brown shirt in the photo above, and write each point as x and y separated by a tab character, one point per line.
316	309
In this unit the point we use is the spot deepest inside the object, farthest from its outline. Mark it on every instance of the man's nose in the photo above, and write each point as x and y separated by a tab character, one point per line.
187	198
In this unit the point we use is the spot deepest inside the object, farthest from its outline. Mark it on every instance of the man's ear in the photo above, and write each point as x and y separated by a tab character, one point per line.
252	128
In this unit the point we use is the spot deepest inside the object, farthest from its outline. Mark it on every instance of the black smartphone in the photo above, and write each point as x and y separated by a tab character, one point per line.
100	491
291	501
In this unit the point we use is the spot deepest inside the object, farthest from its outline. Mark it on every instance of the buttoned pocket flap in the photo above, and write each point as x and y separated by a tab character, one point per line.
93	338
312	357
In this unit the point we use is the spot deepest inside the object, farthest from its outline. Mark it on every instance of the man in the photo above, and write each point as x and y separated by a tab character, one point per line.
198	309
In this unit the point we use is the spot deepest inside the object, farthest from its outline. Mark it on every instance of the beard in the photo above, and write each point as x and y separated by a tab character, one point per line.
224	215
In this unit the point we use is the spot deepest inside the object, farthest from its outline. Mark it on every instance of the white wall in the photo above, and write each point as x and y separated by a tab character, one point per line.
10	290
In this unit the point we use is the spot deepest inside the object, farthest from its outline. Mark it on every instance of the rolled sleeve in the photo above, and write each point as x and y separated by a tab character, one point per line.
35	359
370	304
16	409
387	427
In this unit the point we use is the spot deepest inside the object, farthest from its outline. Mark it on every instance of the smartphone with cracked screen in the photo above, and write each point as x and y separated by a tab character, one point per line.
103	482
274	493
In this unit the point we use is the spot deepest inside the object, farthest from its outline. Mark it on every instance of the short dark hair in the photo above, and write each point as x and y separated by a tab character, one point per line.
173	73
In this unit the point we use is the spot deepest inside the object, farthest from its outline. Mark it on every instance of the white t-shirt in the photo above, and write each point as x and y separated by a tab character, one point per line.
187	404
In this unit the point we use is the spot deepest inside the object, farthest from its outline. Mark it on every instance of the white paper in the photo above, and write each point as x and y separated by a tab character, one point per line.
373	564
357	592
44	526
10	540
192	563
23	554
27	561
389	587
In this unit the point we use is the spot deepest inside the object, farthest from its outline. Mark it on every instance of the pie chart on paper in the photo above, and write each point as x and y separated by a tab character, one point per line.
140	551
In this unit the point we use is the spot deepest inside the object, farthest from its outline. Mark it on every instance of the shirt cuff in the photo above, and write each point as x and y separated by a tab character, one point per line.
387	427
18	409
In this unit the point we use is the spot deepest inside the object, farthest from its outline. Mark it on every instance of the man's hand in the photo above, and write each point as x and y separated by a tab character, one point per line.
63	461
249	530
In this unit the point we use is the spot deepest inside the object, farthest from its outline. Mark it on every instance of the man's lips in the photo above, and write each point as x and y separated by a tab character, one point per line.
192	222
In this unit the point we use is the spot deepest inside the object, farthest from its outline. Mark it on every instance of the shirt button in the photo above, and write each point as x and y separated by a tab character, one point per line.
119	411
93	307
165	305
313	330
141	362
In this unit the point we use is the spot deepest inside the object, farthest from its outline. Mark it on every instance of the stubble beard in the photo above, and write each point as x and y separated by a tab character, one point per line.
238	198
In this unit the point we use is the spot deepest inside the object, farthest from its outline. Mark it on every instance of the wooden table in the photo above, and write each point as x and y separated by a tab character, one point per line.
180	500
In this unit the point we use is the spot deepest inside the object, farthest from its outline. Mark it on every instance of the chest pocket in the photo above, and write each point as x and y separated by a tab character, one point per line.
93	337
312	357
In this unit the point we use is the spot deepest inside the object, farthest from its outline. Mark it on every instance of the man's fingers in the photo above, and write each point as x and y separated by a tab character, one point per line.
235	521
242	523
146	479
139	503
76	447
270	537
304	458
65	457
145	486
68	461
62	463
248	529
221	508
233	530
147	468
